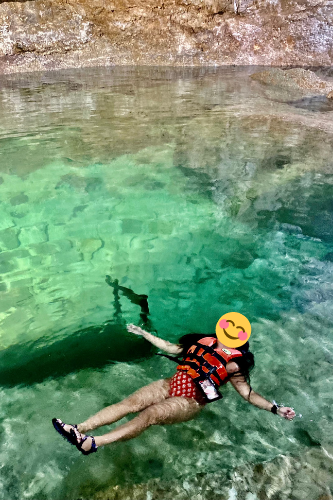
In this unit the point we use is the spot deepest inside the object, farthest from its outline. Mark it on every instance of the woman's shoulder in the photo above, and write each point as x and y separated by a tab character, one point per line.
186	341
207	340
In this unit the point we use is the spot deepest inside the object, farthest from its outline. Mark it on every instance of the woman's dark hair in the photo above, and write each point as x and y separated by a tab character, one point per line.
245	363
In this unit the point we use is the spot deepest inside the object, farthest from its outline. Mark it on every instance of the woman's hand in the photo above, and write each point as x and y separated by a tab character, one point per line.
286	412
165	345
135	329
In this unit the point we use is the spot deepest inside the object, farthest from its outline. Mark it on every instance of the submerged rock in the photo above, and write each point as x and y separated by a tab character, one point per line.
296	78
316	104
304	476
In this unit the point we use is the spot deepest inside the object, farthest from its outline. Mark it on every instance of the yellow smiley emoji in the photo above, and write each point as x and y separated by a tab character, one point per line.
233	329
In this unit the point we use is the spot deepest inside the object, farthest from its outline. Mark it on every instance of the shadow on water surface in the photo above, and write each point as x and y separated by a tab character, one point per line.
93	347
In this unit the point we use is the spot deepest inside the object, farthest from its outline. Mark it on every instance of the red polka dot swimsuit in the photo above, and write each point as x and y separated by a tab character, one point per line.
182	384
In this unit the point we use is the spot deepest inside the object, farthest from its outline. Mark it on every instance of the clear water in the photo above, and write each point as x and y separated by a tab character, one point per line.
203	190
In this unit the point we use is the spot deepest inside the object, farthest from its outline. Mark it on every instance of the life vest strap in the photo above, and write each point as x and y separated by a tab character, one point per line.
204	369
192	357
197	373
211	351
204	362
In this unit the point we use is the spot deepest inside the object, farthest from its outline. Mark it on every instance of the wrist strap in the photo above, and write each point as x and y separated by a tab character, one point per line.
274	409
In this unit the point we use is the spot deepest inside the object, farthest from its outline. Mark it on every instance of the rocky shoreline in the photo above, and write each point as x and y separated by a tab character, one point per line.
38	35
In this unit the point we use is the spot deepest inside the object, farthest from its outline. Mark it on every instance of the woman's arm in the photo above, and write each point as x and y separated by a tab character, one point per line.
245	390
156	341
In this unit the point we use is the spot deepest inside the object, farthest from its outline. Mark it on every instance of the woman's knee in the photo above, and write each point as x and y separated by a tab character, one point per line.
135	403
149	395
150	416
132	405
173	410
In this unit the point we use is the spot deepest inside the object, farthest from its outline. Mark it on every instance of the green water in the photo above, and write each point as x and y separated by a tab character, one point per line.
197	187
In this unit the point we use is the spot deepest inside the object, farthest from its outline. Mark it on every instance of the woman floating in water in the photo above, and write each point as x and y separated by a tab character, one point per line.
205	363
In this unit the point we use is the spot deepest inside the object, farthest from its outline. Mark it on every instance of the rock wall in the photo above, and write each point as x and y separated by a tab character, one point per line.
53	34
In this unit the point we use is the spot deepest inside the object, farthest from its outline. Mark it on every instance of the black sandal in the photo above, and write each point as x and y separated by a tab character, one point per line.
80	442
59	427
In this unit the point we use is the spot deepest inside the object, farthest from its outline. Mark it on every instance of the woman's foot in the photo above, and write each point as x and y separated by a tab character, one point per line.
65	430
85	444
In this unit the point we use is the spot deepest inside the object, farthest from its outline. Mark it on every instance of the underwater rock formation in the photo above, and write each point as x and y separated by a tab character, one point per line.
297	79
52	34
296	477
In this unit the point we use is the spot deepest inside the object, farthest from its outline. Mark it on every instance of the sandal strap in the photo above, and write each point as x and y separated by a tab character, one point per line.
76	435
59	426
93	448
93	444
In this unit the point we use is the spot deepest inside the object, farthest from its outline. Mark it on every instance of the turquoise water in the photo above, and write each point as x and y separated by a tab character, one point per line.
203	190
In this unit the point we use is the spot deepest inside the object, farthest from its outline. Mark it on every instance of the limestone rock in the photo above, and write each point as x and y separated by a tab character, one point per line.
54	34
303	476
297	79
41	27
8	239
89	246
32	234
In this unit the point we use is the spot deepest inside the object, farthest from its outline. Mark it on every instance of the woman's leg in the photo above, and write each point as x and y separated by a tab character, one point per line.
153	393
171	411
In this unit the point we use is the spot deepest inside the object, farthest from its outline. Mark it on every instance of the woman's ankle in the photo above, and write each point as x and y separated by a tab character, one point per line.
82	428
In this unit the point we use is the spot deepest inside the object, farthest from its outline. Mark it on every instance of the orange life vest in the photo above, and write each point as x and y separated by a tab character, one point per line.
202	361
